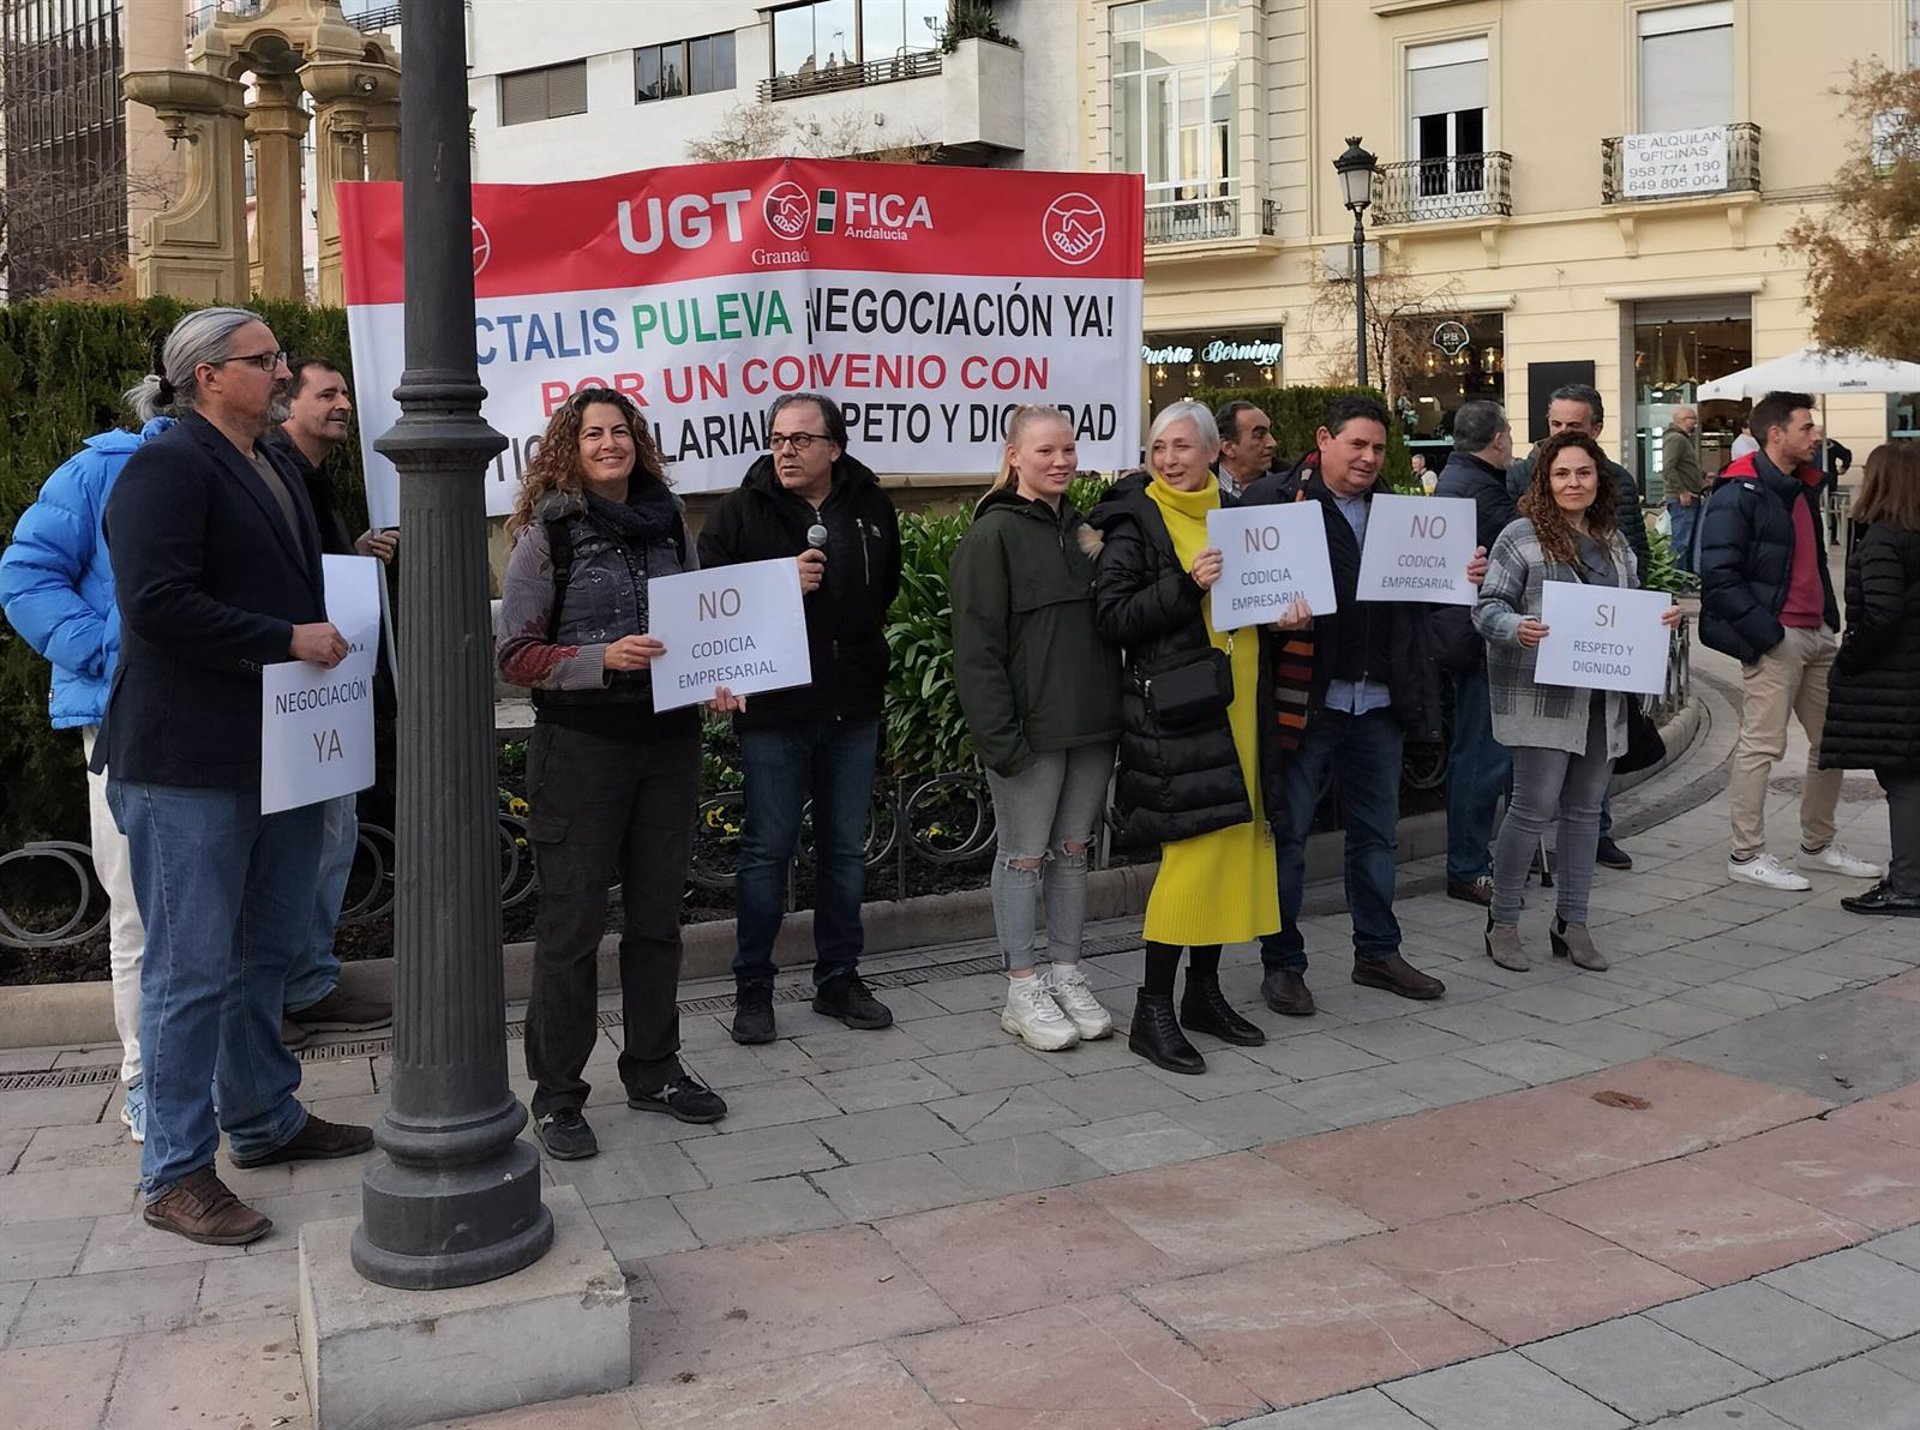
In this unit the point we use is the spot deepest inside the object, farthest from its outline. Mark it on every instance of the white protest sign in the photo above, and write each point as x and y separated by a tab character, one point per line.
1679	161
738	626
316	725
1271	556
1603	638
1418	549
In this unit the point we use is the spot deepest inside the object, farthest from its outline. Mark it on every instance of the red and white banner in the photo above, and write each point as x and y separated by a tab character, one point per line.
928	301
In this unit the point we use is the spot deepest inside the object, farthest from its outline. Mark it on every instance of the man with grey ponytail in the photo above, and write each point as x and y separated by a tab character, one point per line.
216	565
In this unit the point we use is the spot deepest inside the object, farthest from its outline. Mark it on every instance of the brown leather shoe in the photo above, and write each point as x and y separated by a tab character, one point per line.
292	1035
317	1141
341	1012
201	1209
1478	891
1396	975
1286	992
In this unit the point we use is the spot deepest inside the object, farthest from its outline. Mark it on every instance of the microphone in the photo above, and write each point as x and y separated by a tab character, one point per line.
817	537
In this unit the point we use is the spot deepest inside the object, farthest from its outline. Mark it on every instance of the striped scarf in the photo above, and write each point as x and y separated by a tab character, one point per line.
1293	686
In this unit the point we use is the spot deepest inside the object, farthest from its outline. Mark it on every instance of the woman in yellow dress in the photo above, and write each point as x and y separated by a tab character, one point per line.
1189	743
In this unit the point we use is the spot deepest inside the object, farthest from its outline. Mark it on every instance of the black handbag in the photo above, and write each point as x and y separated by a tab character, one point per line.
1645	747
1198	689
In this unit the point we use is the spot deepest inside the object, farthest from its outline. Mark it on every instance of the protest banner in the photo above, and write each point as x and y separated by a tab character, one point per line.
1603	638
738	626
316	725
929	301
1271	556
1417	549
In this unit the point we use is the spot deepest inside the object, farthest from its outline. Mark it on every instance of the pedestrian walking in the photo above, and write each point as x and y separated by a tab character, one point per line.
613	785
1875	687
1189	738
1041	693
1564	739
1685	483
1766	599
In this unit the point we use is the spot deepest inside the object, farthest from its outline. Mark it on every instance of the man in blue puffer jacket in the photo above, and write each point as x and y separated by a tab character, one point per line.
56	586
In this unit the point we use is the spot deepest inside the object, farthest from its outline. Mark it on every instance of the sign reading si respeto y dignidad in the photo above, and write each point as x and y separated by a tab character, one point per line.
928	301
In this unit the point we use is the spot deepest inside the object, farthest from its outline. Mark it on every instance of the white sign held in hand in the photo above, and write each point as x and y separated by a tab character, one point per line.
1603	638
1271	556
742	627
1418	549
316	724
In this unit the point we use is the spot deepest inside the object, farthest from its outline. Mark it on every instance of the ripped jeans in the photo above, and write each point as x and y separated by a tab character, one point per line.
1052	804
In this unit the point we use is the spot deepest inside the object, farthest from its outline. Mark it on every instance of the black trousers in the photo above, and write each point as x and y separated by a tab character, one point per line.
1903	823
602	810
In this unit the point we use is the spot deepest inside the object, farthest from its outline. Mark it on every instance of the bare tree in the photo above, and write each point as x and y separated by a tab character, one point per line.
762	130
1398	304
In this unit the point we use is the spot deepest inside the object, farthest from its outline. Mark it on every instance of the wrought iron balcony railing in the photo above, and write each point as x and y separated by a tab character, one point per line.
1721	159
1188	220
1460	186
912	64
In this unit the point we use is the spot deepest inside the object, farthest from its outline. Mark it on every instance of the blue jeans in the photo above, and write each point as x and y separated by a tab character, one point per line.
316	971
829	762
1365	751
1478	771
1684	519
227	897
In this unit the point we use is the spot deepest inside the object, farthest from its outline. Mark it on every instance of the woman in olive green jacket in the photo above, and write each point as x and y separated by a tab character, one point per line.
1041	693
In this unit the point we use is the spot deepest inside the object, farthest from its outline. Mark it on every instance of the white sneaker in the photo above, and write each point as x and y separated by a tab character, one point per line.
1032	1016
1768	872
1075	996
1835	860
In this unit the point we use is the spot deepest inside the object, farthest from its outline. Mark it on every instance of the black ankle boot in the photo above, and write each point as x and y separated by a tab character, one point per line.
1205	1009
1156	1035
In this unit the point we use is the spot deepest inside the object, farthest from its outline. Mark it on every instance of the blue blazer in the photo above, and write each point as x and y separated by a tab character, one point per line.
210	583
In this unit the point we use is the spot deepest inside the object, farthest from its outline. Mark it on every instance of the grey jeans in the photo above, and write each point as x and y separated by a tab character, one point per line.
1548	783
1054	802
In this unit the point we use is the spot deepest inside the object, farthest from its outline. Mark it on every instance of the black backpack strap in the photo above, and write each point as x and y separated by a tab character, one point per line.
560	552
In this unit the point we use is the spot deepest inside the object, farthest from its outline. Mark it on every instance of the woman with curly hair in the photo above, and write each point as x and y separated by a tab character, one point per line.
1564	740
613	784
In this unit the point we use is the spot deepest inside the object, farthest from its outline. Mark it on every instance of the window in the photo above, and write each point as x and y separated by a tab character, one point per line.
701	65
1173	76
1686	66
833	34
548	93
1447	114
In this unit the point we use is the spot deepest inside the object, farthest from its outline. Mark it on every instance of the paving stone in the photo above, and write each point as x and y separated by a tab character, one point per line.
754	1209
961	1032
31	1250
13	1295
1839	1170
1247	1119
1501	1392
1349	1098
1400	1039
1852	965
885	1132
1409	1171
1229	1073
66	1149
860	1048
1118	1093
731	1067
624	1176
1557	1003
1902	1356
114	1303
1357	1410
964	995
1486	1022
55	1196
124	1242
13	1144
1765	1330
1902	1246
1147	1139
1531	1062
249	1373
1737	1413
1857	1394
983	1116
1677	1017
67	1386
1640	1368
643	1228
983	1069
1444	1080
253	1287
1023	1162
864	1388
1855	1285
1313	1055
1786	930
56	1106
899	1185
1892	1116
759	1154
862	1089
775	1105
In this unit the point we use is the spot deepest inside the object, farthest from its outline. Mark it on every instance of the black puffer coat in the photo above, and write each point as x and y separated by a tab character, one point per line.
1174	784
1746	557
1873	698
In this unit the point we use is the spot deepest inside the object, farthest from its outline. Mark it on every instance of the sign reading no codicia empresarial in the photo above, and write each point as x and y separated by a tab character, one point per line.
928	301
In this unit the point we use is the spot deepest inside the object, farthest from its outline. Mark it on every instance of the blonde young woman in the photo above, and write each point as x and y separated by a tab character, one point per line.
613	784
1041	693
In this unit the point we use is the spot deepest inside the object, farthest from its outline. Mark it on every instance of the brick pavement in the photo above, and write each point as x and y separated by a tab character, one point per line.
1391	1216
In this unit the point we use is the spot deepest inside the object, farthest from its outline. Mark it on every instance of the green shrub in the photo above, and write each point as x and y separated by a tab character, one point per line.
925	731
1296	413
63	367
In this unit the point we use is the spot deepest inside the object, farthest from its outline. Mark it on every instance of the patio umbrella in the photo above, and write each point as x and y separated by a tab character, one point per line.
1815	370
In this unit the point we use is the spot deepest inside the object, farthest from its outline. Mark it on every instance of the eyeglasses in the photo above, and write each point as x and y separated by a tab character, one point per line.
798	441
266	362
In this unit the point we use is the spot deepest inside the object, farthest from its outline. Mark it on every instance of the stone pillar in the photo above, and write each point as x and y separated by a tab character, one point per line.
383	142
197	249
276	124
339	155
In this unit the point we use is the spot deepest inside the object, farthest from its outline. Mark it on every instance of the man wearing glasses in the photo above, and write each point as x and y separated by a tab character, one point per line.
810	502
216	566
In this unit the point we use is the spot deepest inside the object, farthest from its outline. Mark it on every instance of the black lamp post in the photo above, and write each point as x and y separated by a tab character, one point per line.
456	1199
1356	169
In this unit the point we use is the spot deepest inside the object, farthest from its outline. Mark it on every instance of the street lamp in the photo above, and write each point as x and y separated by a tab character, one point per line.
456	1199
1357	169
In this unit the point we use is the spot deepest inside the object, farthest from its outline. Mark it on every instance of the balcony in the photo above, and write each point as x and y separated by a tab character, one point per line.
914	64
1687	163
1204	219
1432	190
972	102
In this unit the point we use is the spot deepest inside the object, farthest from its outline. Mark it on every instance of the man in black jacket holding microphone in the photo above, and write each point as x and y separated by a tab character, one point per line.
809	501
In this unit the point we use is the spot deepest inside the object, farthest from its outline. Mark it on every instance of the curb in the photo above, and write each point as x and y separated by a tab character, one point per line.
70	1014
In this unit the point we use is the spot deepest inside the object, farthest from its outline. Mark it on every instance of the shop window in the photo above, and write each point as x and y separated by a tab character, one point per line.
1173	71
1686	66
829	35
702	65
1447	110
546	93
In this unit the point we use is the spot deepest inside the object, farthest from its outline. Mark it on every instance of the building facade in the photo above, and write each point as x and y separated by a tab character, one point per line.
1569	190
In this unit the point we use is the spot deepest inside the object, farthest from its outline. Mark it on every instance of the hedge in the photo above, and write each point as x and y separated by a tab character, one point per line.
63	367
1296	414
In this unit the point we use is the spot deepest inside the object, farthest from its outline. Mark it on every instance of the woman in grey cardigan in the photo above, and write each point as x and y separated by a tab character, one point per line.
1564	740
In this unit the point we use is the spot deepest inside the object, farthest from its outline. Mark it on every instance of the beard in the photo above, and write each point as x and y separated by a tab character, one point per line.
278	409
